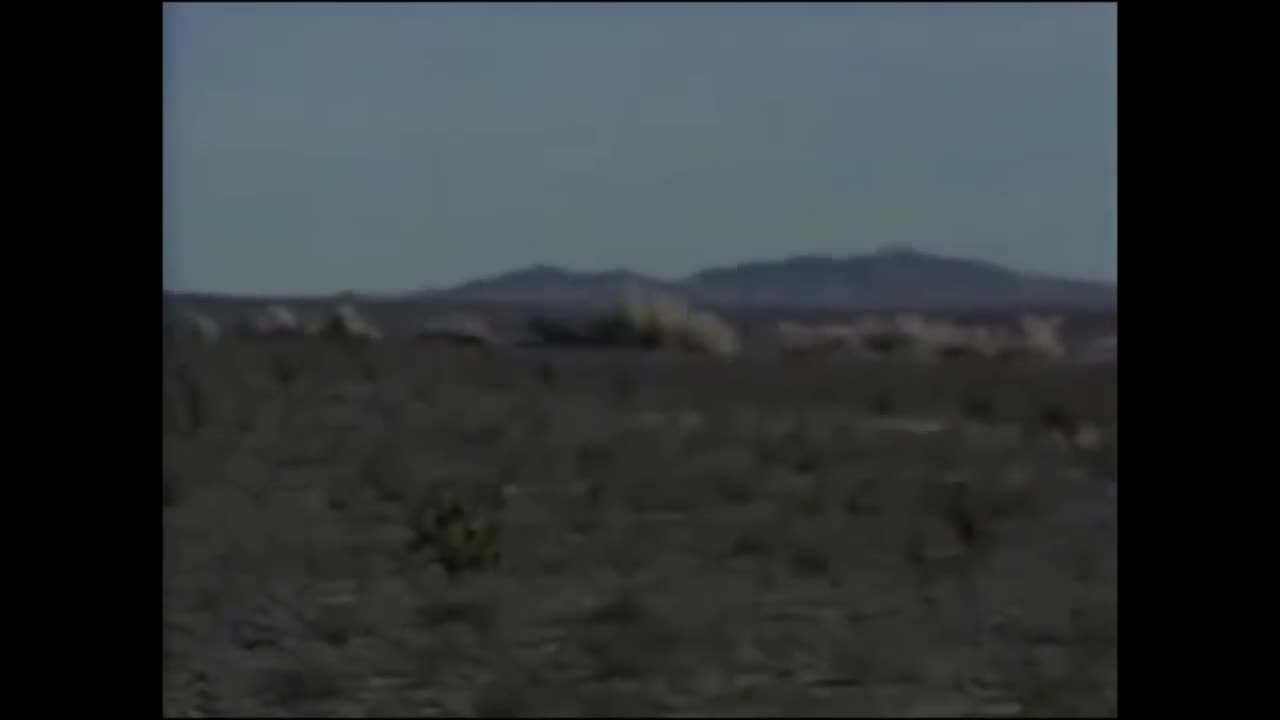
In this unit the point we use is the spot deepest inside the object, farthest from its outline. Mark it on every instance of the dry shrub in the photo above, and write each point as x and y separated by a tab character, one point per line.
976	341
346	322
1043	334
1002	343
843	335
646	318
548	331
654	314
868	324
989	341
795	337
935	338
460	329
874	335
912	324
707	332
1035	335
653	318
196	326
887	342
274	320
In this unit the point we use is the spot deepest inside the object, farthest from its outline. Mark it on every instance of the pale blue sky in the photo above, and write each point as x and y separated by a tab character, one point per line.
386	147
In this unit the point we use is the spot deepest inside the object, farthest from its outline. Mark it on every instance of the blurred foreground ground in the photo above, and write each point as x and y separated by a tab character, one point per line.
677	535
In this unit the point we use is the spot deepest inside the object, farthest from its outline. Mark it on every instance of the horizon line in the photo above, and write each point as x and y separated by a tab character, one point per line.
659	277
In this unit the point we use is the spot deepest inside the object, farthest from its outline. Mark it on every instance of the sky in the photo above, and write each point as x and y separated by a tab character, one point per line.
317	148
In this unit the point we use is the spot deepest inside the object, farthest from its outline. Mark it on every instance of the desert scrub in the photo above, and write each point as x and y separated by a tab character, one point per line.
464	538
654	318
346	325
471	330
888	342
707	332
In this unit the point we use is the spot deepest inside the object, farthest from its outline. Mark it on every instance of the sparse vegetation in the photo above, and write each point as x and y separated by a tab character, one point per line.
888	342
463	539
461	330
408	528
646	319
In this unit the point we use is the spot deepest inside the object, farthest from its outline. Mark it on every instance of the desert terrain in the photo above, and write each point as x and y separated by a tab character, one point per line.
399	528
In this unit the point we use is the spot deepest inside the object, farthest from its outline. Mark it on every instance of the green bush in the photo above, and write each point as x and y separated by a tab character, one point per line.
463	539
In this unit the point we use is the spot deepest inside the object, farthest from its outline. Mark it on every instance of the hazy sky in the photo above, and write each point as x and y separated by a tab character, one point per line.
316	148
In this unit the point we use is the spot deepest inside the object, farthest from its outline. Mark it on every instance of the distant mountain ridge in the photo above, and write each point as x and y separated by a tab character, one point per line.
545	284
891	278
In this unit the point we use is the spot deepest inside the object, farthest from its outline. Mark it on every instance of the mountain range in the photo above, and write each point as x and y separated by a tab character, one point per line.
891	278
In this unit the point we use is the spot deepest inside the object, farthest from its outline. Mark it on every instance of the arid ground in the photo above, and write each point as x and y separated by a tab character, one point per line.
409	530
